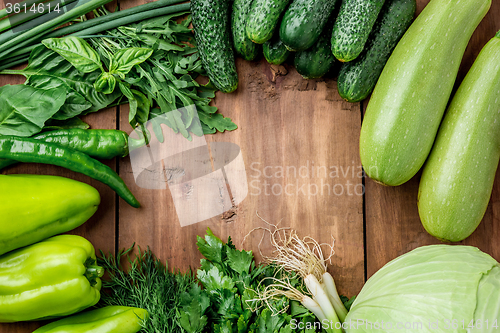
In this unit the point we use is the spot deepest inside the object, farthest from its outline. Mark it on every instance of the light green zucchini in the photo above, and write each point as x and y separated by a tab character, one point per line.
409	100
458	178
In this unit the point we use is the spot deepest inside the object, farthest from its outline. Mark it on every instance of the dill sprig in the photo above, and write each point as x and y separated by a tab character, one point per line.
146	284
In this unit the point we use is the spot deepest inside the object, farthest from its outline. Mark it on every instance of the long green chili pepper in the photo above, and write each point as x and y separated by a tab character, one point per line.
30	150
97	143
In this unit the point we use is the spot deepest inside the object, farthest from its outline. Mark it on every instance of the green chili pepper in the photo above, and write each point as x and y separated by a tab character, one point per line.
110	319
98	143
54	278
37	207
29	150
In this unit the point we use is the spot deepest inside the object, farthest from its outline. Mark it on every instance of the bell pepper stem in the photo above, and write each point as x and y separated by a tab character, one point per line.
93	272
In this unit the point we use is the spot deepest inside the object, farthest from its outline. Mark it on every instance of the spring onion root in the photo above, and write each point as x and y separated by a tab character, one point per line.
304	256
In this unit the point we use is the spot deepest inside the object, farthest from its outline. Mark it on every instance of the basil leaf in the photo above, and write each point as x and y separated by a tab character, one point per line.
76	122
105	83
24	109
45	64
77	51
75	103
125	59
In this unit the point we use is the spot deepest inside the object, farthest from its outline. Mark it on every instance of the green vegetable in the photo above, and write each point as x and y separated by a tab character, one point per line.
263	18
99	143
315	62
275	51
457	181
37	207
31	35
407	105
353	26
56	277
24	109
242	44
213	38
29	150
437	288
147	284
228	300
111	319
49	70
357	78
103	23
303	23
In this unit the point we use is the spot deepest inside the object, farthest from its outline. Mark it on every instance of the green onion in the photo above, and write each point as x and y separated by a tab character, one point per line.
28	15
29	36
107	22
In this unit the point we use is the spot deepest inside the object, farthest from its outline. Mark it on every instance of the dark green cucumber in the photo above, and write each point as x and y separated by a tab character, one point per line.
316	61
304	22
213	38
263	19
357	78
242	44
275	51
353	27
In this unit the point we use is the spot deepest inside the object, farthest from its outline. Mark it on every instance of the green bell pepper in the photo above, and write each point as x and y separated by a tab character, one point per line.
37	207
110	319
54	278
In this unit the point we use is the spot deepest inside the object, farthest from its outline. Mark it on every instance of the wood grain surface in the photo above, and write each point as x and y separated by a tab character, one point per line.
305	130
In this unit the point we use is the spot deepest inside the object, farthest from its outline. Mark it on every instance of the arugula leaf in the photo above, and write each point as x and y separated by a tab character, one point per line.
217	121
24	109
77	51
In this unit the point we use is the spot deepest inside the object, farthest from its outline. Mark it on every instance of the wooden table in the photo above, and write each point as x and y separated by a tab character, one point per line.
284	122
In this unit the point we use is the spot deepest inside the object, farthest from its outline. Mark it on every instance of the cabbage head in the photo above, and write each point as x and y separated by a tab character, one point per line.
432	289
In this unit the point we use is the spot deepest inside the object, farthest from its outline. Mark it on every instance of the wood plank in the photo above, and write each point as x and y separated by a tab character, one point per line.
290	123
393	226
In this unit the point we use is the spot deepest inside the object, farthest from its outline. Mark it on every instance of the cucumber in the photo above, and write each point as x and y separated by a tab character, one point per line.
275	51
353	27
458	177
409	100
243	46
213	38
357	78
316	61
303	23
263	19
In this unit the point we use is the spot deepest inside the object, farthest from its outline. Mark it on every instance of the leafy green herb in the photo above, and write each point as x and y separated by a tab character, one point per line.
77	51
146	284
24	109
227	302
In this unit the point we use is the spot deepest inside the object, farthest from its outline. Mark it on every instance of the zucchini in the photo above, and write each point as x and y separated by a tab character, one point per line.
409	100
243	46
357	78
316	61
303	23
263	19
353	27
458	177
275	51
213	38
